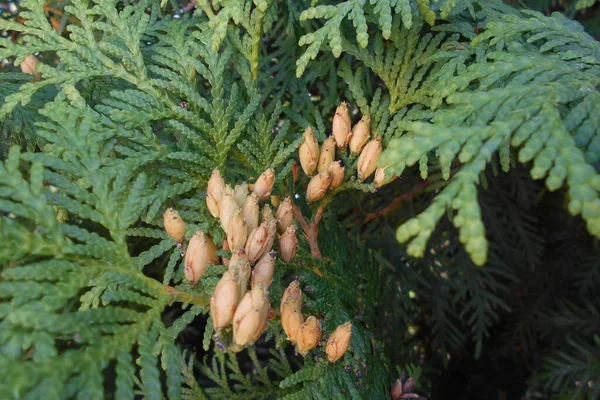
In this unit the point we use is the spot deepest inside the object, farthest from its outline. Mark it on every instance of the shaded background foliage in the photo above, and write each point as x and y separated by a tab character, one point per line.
523	325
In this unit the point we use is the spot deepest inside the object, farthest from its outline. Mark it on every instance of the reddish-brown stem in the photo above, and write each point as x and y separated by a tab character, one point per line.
311	230
397	201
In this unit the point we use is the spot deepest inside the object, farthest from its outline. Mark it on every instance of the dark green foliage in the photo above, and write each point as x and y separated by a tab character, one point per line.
139	101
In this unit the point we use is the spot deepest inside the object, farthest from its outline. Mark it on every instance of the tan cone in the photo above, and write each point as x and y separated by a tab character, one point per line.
263	271
327	154
212	205
337	174
318	185
291	318
288	244
244	273
224	301
228	207
380	179
309	152
174	225
360	134
367	161
216	186
308	335
338	342
201	253
28	66
264	184
250	316
258	242
341	126
284	214
237	232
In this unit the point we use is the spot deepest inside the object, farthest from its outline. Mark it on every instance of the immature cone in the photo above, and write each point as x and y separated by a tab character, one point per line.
267	215
228	207
379	179
290	308
360	135
240	193
237	232
341	126
318	185
284	215
263	271
327	154
174	225
28	66
275	201
201	253
309	152
264	184
258	242
288	244
337	174
338	342
367	161
250	211
216	186
224	301
396	390
250	316
308	335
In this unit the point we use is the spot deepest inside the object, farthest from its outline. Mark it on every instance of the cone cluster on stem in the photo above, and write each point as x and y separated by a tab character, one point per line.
240	303
319	163
306	334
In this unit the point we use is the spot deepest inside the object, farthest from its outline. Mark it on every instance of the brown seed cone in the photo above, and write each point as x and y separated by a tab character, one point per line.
240	193
338	342
396	390
380	180
291	318
174	225
291	292
309	152
28	66
337	174
341	126
288	244
360	134
224	301
224	260
228	207
258	242
237	232
250	316
212	205
264	184
327	154
318	185
367	161
284	214
216	186
308	335
263	271
201	253
250	211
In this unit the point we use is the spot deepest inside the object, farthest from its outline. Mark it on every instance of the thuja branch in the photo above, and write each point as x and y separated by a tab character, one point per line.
186	297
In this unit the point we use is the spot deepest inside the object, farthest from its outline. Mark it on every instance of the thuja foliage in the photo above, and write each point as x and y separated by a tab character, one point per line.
136	105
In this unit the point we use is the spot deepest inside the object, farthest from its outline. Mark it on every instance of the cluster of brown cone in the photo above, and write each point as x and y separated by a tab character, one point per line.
307	333
330	173
250	239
